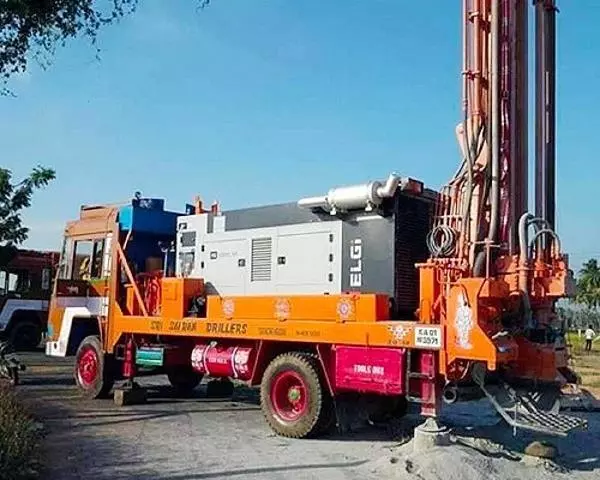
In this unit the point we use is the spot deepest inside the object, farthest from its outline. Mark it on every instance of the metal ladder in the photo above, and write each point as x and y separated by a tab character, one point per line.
412	375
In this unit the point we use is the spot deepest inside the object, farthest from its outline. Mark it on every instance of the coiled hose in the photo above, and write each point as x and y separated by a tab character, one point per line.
441	241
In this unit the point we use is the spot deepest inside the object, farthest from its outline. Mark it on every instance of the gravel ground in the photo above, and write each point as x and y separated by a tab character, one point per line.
202	438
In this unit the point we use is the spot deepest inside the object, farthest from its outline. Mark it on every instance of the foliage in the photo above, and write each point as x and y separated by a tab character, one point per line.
38	26
584	309
19	436
588	284
576	316
14	197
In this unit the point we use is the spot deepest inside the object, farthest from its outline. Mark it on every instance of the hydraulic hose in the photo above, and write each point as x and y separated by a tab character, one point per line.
523	240
441	241
539	234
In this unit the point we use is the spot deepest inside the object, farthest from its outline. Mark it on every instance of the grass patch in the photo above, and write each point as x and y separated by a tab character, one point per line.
586	364
19	435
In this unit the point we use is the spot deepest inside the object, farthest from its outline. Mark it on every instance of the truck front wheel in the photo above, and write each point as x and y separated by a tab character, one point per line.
94	372
292	397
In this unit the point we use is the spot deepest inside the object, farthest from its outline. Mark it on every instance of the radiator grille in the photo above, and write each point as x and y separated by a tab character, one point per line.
261	259
412	226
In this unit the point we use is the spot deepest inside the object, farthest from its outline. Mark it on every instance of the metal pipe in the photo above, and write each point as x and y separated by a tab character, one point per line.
545	74
313	202
453	393
495	123
356	196
477	67
523	237
523	267
546	231
518	119
465	68
450	394
389	188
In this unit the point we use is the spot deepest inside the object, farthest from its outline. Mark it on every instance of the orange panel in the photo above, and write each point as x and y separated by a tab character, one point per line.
538	361
341	308
131	302
429	292
177	293
55	319
396	333
465	338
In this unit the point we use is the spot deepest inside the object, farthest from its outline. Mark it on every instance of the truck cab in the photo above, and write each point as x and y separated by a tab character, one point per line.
79	307
25	288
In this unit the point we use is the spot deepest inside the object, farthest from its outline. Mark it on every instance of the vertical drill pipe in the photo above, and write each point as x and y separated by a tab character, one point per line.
518	119
505	96
495	123
477	63
545	74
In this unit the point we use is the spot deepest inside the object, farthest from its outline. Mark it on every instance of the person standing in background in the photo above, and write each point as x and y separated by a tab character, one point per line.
589	337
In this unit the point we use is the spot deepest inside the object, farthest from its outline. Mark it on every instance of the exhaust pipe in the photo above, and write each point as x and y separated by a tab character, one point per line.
450	393
365	196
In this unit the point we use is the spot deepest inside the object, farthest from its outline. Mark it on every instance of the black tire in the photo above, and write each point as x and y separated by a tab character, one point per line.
25	334
328	418
99	382
184	380
315	414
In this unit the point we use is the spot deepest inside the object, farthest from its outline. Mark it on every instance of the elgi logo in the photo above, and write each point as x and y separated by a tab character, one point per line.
356	263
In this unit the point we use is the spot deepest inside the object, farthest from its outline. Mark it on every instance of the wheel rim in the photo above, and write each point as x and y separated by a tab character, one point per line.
87	367
289	396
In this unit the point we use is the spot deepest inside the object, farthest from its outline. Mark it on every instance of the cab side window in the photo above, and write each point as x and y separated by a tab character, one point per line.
82	257
65	268
97	257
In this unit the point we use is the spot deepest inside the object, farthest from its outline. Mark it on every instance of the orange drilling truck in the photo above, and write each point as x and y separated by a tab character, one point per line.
385	291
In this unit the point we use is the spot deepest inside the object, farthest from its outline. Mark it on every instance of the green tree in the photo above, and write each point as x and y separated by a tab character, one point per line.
588	284
37	26
14	198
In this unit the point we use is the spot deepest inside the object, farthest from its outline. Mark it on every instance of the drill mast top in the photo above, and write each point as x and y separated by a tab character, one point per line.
478	214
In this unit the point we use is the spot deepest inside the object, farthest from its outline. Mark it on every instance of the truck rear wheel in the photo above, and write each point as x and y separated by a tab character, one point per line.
25	335
292	397
94	370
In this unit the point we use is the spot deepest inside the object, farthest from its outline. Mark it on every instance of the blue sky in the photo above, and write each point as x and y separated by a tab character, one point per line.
253	102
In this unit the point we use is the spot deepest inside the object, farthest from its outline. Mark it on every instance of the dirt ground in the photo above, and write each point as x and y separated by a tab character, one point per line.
201	438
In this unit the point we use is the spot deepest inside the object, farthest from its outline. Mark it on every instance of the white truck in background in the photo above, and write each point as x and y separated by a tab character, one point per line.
25	290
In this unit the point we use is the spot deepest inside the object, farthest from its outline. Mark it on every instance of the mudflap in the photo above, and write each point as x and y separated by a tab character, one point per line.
536	410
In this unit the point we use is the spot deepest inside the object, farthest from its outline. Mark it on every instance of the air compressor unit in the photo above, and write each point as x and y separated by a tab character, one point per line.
364	238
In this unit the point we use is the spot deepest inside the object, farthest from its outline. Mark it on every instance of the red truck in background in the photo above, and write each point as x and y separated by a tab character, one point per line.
25	290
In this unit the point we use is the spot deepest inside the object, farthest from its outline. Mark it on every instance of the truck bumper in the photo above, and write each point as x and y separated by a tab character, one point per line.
55	349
